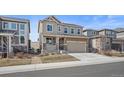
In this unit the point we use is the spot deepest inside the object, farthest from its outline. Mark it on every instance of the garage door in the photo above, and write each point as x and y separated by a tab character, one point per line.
76	46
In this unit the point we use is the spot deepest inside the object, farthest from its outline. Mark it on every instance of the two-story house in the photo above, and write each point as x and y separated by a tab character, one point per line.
56	36
14	34
100	39
90	32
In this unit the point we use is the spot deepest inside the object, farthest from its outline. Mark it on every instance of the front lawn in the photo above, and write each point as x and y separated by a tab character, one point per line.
58	58
36	60
13	62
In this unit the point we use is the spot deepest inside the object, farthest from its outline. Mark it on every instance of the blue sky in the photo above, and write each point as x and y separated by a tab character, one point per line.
88	21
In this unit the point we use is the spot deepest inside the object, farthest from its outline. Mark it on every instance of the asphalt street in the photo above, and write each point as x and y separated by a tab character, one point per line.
99	70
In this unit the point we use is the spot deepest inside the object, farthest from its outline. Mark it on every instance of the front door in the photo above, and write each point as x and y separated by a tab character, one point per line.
61	44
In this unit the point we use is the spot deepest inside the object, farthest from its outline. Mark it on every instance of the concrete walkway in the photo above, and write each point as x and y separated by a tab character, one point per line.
85	59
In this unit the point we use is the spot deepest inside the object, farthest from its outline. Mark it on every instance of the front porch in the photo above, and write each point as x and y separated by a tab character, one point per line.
5	44
55	44
63	44
118	45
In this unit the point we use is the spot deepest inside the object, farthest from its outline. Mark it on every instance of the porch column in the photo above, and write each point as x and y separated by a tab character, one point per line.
57	43
10	49
122	47
42	46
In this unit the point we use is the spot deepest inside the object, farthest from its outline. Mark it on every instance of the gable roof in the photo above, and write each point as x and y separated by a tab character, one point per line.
107	30
90	30
51	18
119	30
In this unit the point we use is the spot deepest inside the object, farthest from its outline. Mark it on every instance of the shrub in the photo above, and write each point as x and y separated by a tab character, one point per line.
20	55
27	56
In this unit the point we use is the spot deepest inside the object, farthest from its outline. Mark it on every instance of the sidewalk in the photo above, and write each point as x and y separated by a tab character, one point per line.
83	62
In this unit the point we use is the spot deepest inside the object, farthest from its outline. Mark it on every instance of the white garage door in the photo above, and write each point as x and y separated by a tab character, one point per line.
76	46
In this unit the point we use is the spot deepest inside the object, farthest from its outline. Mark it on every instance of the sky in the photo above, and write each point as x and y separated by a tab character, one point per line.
87	21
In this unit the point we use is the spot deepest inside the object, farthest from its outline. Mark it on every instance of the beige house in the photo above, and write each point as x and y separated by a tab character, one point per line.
55	36
14	35
104	40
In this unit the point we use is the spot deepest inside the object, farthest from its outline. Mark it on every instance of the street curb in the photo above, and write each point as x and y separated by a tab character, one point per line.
34	67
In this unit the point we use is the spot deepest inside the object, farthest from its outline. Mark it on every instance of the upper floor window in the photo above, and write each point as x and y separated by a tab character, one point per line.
49	27
59	28
22	26
65	30
79	31
14	26
72	31
5	25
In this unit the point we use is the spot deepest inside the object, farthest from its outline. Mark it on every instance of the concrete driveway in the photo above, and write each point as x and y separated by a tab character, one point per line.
93	57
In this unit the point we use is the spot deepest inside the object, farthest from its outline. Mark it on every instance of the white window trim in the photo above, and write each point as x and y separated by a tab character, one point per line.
73	30
77	31
11	26
3	25
67	30
20	40
20	26
52	28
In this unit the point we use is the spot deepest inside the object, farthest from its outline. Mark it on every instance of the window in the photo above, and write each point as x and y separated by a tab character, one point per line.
13	26
65	30
22	39
49	28
79	31
22	27
72	31
49	40
59	28
5	25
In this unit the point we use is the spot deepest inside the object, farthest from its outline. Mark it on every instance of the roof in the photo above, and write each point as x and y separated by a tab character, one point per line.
72	25
82	36
51	17
14	19
106	30
119	30
89	30
59	22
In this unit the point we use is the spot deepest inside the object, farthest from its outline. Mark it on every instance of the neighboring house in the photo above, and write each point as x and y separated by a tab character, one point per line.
90	32
14	35
120	32
101	39
118	43
55	36
108	33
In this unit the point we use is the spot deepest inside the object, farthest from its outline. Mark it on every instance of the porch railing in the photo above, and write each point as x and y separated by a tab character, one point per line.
7	31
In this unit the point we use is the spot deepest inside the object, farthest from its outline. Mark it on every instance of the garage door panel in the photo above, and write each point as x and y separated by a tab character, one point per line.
76	46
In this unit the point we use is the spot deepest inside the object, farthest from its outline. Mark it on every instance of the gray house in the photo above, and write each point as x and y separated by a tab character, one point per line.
14	35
